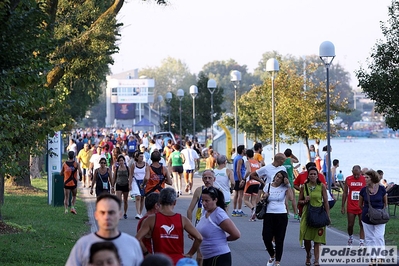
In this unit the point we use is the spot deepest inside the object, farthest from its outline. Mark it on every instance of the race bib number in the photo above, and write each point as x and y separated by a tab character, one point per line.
131	147
355	195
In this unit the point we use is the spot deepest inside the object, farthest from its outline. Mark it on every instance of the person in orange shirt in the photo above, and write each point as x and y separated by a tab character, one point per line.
258	153
69	171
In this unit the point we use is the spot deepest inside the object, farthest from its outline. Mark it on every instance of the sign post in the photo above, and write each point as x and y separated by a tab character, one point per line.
54	152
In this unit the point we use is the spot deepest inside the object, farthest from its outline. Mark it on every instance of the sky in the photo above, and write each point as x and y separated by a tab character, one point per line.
201	31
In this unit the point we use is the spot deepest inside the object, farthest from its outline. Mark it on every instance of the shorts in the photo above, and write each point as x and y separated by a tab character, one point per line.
124	188
190	171
252	190
237	186
142	192
85	172
70	187
177	169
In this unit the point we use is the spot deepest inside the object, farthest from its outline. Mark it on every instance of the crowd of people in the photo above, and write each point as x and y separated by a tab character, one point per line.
115	164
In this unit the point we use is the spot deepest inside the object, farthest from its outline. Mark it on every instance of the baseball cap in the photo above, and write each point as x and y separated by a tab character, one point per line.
187	262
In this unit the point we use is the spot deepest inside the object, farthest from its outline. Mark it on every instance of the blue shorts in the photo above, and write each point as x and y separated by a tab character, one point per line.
190	171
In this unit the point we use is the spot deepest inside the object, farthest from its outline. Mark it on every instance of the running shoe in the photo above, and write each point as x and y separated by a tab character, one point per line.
190	192
234	213
125	216
350	242
296	217
138	216
253	215
270	262
187	188
241	213
73	211
66	211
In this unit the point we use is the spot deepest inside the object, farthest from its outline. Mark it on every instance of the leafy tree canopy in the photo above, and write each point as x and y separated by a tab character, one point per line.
380	81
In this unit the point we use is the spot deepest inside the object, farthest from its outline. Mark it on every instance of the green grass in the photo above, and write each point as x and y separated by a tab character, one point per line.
339	221
48	234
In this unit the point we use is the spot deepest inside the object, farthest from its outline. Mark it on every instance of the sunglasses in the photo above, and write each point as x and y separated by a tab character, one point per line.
211	190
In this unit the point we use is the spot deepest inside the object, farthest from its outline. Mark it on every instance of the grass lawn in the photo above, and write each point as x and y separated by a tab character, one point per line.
47	234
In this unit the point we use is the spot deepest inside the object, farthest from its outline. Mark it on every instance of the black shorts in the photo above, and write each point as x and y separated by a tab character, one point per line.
177	169
70	187
124	188
252	189
237	186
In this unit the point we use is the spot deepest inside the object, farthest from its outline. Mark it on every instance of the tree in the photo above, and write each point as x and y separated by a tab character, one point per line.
380	81
202	112
220	71
53	58
299	114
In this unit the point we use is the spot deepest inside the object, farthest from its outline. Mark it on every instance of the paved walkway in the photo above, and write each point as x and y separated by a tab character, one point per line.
249	249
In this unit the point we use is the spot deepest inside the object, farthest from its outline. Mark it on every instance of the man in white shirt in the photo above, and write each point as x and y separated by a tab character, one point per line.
108	213
268	172
95	162
190	157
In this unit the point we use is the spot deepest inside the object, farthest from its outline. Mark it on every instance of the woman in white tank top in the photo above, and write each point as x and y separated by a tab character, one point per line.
139	171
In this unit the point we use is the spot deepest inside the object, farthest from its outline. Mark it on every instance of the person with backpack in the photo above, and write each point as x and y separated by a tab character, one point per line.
158	176
122	181
69	171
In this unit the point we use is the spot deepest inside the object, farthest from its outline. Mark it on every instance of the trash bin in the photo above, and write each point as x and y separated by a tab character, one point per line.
58	190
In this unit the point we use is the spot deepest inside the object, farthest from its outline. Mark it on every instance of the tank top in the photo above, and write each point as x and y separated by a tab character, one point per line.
354	187
290	169
254	165
70	174
122	176
139	172
156	181
102	182
222	182
168	236
176	158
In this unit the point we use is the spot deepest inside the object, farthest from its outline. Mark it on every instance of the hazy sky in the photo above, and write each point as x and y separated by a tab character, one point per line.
201	31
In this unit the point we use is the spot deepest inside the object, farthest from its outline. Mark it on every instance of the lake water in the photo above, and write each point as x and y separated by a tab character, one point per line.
377	154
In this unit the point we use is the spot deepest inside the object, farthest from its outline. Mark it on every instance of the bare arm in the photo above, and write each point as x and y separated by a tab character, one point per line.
255	176
344	197
193	202
147	175
361	201
238	170
247	169
145	229
325	199
130	178
294	159
230	174
385	200
168	179
193	232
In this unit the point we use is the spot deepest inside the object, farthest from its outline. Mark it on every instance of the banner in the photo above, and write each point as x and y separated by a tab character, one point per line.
125	110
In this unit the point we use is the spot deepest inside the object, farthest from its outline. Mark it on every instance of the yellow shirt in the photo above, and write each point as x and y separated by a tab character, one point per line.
84	158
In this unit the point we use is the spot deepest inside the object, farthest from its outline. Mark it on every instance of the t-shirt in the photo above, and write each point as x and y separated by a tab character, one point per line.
176	158
128	248
276	199
290	168
354	186
214	238
190	156
377	201
84	158
258	157
95	159
268	172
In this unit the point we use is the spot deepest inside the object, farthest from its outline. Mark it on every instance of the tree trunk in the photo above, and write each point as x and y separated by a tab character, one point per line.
35	167
24	179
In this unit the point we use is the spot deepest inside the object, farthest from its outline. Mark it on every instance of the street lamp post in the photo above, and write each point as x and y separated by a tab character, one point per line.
160	99
168	98
194	93
327	54
235	78
211	87
272	66
180	95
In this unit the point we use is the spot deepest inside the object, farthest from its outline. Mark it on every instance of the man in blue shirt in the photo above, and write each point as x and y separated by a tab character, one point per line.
239	172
